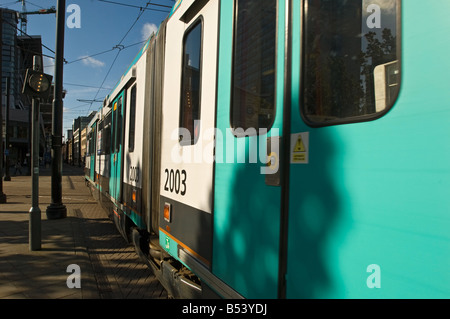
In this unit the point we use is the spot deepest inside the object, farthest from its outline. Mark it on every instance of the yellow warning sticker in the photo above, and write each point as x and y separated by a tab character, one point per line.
300	148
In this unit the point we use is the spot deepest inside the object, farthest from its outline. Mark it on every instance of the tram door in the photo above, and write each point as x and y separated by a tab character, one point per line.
342	152
187	145
247	192
116	148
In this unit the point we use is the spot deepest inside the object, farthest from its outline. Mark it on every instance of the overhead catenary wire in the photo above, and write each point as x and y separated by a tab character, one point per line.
28	2
9	3
29	36
120	47
139	7
86	57
87	86
142	9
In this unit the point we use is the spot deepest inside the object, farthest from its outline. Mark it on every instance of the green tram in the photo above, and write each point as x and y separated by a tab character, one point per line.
285	149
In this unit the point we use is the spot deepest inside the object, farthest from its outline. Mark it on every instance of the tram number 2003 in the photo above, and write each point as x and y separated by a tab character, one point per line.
175	181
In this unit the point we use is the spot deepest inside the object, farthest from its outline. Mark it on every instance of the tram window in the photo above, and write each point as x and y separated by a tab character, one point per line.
351	68
107	135
118	126
113	129
87	144
90	152
100	132
107	140
191	85
92	143
254	56
132	123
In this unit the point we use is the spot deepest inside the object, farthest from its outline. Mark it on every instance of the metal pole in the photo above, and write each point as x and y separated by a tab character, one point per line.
35	211
7	148
2	195
56	209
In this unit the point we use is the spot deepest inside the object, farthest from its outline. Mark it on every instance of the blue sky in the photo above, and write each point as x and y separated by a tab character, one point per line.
103	26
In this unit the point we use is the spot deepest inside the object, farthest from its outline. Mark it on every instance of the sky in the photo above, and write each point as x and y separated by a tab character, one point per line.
90	73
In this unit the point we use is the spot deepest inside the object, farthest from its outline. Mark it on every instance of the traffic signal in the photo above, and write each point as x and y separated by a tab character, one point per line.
37	84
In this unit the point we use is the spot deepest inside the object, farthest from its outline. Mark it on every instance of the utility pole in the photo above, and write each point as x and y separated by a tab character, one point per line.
56	209
7	150
35	211
2	195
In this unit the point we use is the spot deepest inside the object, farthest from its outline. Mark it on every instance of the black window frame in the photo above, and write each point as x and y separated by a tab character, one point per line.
354	119
184	142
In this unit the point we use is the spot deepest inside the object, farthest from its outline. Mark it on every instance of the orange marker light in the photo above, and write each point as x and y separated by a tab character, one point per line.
168	212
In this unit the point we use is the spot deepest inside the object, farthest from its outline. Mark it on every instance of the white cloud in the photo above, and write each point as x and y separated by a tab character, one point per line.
147	30
89	61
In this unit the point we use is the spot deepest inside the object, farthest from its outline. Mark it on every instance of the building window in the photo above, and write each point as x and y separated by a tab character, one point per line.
351	69
191	85
254	67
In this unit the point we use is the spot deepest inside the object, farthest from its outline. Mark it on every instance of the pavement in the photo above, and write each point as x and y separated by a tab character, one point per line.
82	256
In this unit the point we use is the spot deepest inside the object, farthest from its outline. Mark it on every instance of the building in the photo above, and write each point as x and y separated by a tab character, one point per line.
9	54
79	124
67	148
17	54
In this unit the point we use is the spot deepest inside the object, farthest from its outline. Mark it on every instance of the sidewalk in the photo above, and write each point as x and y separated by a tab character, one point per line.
109	267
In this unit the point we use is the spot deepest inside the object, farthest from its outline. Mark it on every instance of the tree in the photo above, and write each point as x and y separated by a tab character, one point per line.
377	53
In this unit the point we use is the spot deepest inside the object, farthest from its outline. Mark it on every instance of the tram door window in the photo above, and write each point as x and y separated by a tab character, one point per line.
253	84
116	148
100	130
190	86
106	147
90	145
351	69
118	125
132	124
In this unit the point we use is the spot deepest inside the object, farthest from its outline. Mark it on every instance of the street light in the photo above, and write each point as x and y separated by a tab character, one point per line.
37	86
